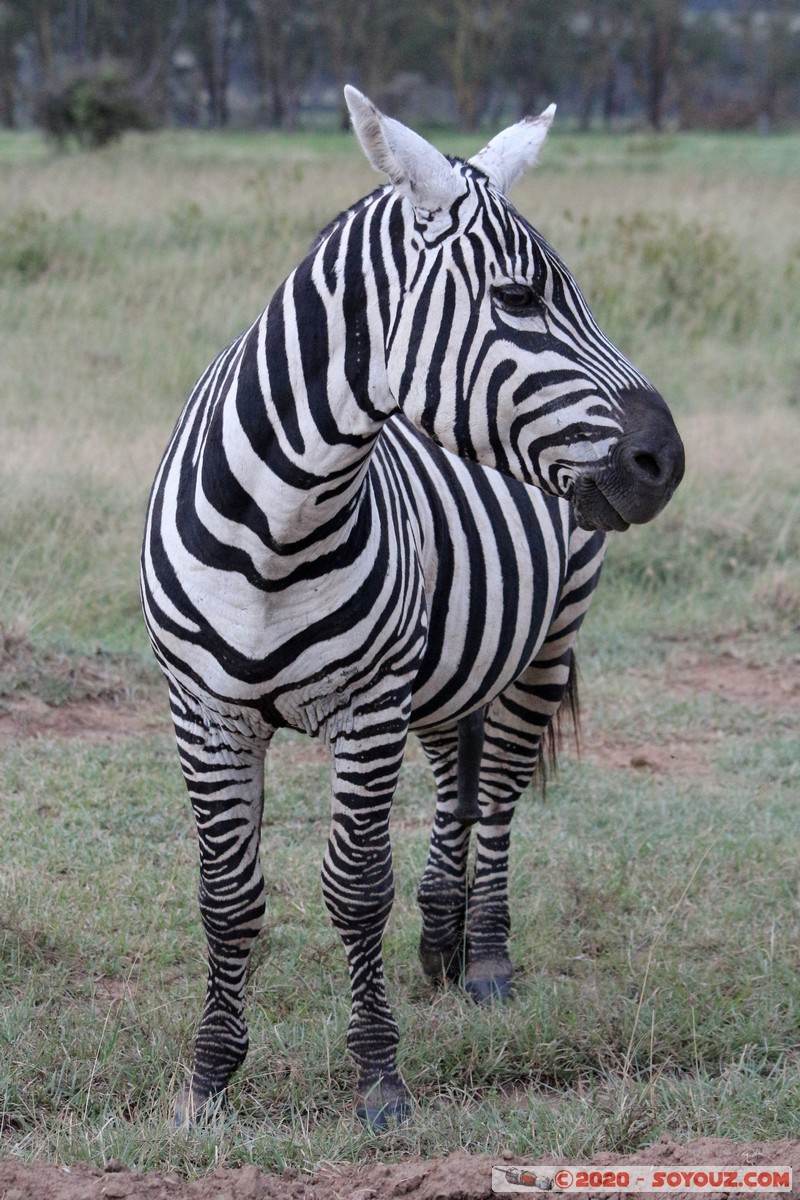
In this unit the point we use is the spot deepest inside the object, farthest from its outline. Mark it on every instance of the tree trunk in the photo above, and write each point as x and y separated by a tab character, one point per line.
7	96
656	33
610	93
80	21
44	31
218	63
154	58
586	106
655	82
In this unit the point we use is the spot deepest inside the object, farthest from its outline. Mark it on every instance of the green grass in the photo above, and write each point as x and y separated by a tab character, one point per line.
655	913
654	931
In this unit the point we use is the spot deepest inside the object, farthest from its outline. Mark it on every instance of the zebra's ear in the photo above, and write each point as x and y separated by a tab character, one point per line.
514	150
416	168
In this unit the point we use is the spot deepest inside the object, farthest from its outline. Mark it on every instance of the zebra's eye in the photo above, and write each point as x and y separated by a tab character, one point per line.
518	298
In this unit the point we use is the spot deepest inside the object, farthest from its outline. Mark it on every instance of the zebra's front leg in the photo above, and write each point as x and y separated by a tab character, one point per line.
358	886
442	893
225	777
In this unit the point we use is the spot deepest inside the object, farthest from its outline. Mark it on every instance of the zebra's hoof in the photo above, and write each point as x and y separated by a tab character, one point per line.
489	988
440	965
193	1109
386	1101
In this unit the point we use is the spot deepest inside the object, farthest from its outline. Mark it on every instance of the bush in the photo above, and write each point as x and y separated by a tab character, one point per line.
94	109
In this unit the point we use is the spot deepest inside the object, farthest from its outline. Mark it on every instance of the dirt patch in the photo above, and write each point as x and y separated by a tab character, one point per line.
101	698
734	677
659	758
94	720
457	1176
98	697
730	678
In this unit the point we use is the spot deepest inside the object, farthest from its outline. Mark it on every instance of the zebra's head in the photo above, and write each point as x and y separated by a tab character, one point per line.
490	346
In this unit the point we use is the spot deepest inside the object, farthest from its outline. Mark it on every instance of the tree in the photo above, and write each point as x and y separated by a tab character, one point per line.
208	33
286	36
361	41
12	28
595	37
477	37
771	42
653	39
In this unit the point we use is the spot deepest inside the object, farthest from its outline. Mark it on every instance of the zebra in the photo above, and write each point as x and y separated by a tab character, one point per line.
384	508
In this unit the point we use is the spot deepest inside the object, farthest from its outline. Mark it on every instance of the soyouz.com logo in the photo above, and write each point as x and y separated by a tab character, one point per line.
706	1178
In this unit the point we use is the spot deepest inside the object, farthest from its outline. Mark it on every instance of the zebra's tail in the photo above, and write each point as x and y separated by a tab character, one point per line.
470	747
567	713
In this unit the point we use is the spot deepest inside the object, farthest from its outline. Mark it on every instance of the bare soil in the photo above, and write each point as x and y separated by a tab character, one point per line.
98	697
56	696
733	677
456	1176
53	696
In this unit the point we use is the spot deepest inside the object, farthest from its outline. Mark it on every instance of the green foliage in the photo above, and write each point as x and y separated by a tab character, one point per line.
698	279
94	109
27	244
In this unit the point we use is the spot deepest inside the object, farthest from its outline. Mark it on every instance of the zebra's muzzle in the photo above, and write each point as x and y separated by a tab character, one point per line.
641	473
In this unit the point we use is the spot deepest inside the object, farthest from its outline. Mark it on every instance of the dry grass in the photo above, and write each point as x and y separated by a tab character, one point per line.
121	275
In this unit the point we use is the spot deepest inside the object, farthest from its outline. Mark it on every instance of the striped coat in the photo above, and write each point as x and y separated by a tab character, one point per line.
384	508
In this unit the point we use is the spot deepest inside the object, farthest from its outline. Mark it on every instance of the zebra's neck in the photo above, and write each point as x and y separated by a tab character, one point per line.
305	397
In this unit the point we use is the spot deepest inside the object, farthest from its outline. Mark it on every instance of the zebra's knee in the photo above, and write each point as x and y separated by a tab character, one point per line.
361	901
357	877
232	911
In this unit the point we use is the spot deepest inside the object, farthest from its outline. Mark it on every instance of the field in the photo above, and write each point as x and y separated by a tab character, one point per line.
656	884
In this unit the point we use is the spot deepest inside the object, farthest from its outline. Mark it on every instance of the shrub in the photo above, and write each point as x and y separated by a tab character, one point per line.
652	269
95	109
26	244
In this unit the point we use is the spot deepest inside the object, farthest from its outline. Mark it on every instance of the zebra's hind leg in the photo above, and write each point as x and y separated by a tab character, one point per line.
442	893
515	725
224	773
358	886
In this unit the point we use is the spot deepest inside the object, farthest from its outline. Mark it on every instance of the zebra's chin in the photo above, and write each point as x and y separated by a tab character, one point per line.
593	510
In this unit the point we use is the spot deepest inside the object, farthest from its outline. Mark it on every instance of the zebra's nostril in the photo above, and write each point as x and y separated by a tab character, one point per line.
648	465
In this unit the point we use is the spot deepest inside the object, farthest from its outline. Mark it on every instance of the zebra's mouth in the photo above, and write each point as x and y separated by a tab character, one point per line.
592	508
640	472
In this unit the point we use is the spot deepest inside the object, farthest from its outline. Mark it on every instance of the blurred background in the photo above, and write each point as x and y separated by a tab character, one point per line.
88	66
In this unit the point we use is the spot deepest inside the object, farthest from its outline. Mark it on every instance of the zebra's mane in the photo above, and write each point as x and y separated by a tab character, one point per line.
454	159
341	217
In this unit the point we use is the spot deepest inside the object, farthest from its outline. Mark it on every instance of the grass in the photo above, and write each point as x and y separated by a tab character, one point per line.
654	928
655	914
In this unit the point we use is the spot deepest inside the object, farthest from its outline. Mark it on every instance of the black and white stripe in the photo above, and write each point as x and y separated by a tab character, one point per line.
325	550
